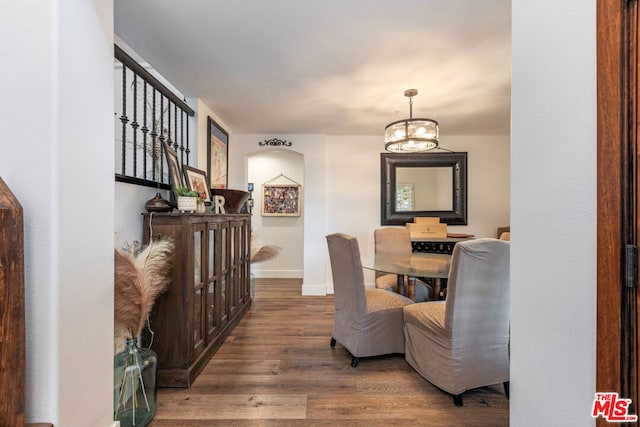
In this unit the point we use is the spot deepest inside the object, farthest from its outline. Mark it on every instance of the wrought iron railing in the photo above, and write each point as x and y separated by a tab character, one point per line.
147	114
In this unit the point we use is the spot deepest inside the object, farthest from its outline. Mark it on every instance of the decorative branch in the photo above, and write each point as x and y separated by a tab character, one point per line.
265	253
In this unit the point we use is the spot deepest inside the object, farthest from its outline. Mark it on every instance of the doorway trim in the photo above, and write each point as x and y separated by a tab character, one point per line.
616	364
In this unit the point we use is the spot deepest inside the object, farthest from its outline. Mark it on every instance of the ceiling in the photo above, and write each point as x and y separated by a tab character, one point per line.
333	67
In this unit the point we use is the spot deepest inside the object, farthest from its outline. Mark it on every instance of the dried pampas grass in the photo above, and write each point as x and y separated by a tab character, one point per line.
260	252
139	279
265	253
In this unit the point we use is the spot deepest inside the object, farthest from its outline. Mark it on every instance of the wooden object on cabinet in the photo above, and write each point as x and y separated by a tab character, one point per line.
208	295
12	323
501	230
436	246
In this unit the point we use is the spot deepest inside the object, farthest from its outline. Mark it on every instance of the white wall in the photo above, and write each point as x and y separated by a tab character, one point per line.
347	195
553	181
57	156
129	205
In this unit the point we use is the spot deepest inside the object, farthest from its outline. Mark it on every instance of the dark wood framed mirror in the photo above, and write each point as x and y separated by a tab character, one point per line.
422	185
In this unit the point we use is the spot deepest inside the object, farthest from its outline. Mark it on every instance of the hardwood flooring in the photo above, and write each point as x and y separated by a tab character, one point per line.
278	369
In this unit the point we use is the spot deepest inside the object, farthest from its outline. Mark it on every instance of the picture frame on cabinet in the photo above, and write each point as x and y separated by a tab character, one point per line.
196	180
175	179
217	154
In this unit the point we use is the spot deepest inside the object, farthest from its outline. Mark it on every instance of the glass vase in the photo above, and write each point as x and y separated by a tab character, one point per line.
135	388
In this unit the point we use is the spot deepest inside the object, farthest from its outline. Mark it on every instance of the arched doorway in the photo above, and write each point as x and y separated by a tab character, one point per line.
277	167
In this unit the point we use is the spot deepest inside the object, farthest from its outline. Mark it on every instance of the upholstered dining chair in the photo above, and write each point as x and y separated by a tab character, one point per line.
396	241
463	342
367	322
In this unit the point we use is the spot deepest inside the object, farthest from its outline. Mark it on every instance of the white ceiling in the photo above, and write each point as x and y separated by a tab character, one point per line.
334	67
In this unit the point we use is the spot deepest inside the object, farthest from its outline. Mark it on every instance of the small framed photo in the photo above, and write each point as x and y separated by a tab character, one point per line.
217	154
196	180
281	200
175	179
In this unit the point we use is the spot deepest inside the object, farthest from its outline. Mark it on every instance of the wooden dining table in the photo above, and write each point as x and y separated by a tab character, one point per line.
423	265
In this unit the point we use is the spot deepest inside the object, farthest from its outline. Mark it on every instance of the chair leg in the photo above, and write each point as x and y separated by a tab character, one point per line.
354	361
506	388
457	400
333	342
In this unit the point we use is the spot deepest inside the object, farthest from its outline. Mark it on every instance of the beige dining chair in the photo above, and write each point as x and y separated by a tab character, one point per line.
463	343
392	241
368	322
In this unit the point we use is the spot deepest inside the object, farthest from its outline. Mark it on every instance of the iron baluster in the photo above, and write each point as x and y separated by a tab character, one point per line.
135	125
154	135
144	130
124	119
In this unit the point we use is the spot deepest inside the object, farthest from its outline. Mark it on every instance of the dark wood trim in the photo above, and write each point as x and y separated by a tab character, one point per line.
616	363
12	311
629	310
609	134
142	182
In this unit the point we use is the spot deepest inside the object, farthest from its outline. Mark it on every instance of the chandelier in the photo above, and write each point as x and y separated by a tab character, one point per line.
411	135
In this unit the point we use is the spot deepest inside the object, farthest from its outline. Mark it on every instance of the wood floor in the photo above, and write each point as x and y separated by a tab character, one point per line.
278	369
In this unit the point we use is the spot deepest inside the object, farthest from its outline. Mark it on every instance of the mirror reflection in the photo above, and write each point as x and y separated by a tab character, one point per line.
424	189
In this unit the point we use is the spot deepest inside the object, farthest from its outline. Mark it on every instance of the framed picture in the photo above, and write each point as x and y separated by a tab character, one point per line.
217	154
197	180
174	169
281	200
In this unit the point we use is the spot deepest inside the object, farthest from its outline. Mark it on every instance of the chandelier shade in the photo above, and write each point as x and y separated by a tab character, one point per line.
411	135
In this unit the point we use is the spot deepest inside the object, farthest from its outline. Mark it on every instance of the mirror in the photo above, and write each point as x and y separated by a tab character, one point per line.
423	184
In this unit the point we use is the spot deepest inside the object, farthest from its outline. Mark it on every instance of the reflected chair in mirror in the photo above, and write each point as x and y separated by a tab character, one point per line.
396	241
463	343
367	322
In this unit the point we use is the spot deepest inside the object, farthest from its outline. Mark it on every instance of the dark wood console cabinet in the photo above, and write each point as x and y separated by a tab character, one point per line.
208	295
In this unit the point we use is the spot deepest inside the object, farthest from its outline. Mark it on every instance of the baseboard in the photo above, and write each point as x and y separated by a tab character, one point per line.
314	290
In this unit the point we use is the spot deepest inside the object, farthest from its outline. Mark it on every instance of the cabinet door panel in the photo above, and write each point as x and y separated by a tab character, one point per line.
199	273
223	305
211	323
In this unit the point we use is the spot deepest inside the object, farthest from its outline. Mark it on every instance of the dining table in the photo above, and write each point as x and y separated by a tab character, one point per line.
416	265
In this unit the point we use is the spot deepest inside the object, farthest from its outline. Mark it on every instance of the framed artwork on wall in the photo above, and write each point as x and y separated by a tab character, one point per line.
196	180
217	154
281	200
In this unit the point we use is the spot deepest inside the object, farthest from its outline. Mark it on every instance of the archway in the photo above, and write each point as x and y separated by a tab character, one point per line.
277	167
